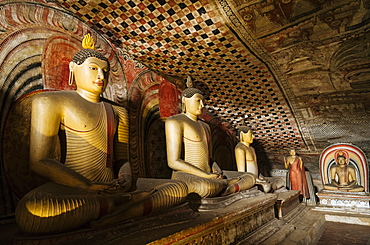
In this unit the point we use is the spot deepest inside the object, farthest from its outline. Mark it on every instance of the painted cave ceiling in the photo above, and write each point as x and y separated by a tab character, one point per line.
296	71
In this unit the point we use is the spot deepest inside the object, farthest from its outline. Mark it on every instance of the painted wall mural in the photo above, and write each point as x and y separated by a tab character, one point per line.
321	48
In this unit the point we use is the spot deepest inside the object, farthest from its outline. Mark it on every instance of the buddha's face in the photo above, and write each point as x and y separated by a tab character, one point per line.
248	137
292	152
341	160
194	104
91	75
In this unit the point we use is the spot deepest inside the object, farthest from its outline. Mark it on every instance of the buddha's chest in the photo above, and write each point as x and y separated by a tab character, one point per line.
85	117
195	131
342	172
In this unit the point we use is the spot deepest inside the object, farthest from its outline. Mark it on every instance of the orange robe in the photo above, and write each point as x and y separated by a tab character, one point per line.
297	176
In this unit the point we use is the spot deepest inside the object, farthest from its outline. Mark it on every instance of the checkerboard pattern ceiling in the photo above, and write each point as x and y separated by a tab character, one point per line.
189	37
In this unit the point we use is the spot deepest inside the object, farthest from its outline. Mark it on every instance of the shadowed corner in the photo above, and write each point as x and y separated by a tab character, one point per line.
194	201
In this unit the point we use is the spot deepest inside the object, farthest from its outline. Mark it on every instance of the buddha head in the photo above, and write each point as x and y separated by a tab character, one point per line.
192	101
292	152
89	68
86	53
246	134
341	158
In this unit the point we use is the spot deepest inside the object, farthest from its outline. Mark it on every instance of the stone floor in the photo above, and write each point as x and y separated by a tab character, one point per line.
324	226
348	234
311	226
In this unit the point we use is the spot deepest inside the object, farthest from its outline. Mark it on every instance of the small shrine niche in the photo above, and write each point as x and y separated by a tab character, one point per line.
346	181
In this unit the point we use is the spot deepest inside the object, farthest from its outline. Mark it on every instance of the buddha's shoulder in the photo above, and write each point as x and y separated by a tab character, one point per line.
177	120
177	117
182	118
203	123
240	145
55	96
351	167
333	167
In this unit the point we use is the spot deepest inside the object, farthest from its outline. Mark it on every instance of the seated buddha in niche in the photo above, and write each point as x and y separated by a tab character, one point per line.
186	134
343	176
91	186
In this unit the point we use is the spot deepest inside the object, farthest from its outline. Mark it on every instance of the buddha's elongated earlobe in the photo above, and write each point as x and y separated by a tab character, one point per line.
183	106
70	79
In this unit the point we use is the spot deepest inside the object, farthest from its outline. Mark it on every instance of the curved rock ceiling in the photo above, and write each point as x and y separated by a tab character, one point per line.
297	71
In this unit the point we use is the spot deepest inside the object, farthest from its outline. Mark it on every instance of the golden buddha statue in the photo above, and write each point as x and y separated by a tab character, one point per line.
246	159
185	133
343	176
89	184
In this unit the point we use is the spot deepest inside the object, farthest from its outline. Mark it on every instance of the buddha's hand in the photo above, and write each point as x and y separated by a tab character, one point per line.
335	183
352	183
116	185
216	176
100	186
217	171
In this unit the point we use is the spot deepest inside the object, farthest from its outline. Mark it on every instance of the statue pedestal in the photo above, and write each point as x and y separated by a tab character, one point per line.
183	224
210	204
344	199
286	202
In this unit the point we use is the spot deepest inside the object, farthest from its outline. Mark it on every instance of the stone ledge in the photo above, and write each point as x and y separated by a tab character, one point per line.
301	226
176	226
228	225
286	202
211	204
344	199
281	229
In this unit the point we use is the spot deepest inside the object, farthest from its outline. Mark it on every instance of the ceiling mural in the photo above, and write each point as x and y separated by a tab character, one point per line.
297	71
181	38
316	46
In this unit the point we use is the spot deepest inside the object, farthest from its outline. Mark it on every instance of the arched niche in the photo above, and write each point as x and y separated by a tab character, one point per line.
223	144
155	156
354	156
147	137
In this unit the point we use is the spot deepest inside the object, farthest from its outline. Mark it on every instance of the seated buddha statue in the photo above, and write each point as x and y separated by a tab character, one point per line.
91	184
343	177
189	152
246	159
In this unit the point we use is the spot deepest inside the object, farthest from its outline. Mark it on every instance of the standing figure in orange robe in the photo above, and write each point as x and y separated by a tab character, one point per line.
297	174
